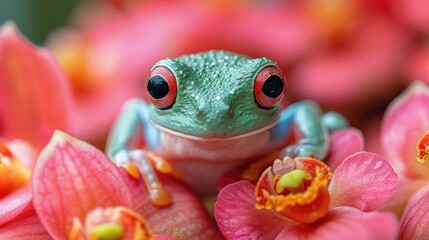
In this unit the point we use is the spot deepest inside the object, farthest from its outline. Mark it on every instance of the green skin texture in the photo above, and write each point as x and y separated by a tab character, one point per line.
215	101
215	96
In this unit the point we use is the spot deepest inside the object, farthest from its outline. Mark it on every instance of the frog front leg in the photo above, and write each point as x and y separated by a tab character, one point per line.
305	120
126	149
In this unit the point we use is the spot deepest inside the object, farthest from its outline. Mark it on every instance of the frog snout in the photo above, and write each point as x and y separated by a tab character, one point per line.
213	111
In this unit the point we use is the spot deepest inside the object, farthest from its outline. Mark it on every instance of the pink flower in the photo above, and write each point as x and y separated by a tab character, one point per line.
289	206
77	190
405	125
35	98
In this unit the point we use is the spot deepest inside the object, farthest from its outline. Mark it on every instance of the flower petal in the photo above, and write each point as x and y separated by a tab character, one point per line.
185	218
14	204
26	226
364	181
406	120
70	179
346	223
344	143
415	219
238	218
32	82
406	188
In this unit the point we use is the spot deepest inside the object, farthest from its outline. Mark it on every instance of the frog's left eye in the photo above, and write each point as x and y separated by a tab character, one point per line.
269	87
161	87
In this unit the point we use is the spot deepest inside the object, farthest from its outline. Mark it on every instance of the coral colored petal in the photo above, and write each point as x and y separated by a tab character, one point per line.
364	181
344	143
406	188
346	223
14	204
414	223
70	179
26	226
406	120
238	218
185	218
32	82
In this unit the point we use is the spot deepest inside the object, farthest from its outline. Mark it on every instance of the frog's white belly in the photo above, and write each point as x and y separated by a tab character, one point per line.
203	162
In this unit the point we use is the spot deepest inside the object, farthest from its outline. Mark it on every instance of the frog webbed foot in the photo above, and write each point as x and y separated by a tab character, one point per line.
138	162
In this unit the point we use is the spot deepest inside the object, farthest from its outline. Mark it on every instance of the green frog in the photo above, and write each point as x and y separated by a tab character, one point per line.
211	112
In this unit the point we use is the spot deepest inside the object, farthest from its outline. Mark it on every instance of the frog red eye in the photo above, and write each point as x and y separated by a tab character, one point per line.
269	87
161	87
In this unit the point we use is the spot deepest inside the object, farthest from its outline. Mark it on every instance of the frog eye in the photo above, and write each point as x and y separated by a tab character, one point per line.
161	87
269	87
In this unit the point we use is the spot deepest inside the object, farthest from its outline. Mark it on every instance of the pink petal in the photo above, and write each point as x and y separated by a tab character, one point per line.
364	181
14	204
27	226
414	223
32	82
406	188
346	223
185	218
405	121
70	179
344	143
238	218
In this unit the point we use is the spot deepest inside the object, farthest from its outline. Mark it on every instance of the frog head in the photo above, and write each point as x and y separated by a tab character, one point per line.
215	95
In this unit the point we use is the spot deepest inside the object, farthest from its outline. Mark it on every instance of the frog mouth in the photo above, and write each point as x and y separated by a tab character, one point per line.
210	139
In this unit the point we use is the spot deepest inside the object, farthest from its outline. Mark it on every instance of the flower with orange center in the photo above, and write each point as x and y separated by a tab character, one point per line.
295	188
77	192
405	125
301	199
111	223
16	160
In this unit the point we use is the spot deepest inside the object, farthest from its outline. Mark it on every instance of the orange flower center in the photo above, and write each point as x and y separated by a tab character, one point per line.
111	224
295	189
423	148
13	174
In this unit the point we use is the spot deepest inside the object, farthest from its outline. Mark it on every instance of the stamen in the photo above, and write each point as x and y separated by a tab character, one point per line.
304	198
111	224
292	180
423	148
300	194
107	231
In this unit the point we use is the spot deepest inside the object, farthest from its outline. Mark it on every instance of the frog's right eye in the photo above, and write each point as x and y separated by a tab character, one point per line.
269	87
161	87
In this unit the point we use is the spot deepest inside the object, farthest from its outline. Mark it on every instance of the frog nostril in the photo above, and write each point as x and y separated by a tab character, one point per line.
230	113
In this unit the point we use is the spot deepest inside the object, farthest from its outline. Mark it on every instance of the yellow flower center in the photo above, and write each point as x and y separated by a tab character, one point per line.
300	194
111	224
